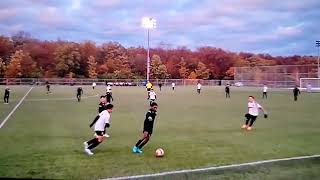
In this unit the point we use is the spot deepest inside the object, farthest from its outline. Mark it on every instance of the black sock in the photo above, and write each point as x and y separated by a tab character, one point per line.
91	141
142	144
139	142
94	144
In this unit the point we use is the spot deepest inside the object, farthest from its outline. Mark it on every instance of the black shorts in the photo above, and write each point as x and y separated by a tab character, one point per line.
148	89
252	117
149	130
100	133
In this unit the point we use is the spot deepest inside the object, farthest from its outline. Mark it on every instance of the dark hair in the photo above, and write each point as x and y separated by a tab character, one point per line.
252	97
102	97
153	104
109	106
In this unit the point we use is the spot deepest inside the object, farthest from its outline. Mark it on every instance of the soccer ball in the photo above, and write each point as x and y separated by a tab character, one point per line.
159	152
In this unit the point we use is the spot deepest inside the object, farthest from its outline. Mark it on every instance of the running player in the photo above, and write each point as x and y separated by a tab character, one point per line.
147	128
79	93
199	87
102	122
6	95
253	112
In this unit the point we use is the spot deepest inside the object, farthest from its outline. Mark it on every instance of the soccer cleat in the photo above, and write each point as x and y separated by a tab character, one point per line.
106	135
134	149
249	128
85	145
139	151
88	151
244	126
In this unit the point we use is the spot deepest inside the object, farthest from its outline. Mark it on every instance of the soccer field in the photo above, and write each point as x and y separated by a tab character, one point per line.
44	136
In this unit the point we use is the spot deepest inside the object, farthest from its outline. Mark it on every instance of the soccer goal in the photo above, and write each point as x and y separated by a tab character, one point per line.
310	84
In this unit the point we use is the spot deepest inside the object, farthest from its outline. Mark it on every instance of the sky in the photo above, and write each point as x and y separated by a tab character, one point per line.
276	27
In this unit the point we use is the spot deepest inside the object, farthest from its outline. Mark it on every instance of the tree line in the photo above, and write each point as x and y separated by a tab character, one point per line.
22	56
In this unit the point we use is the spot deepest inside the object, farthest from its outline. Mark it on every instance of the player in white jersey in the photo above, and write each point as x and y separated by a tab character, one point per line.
101	122
94	85
173	85
109	89
152	96
253	112
199	87
265	90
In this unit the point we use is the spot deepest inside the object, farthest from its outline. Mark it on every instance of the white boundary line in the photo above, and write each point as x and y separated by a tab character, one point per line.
14	109
212	168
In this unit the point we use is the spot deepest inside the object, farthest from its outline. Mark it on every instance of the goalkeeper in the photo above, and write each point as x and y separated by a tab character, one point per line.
253	112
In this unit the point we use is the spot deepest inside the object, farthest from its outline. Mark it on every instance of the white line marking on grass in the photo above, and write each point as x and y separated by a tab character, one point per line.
212	168
14	109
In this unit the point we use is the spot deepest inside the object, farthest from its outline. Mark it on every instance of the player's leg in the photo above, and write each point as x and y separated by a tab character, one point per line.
141	141
253	119
145	141
247	116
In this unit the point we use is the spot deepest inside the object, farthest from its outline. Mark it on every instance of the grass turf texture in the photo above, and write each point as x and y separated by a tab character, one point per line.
43	138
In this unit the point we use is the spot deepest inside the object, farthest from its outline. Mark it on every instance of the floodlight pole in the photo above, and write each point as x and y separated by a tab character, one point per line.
148	57
318	45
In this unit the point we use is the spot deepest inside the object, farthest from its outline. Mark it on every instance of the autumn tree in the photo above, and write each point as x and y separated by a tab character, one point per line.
14	68
67	59
183	71
2	68
158	69
202	72
92	67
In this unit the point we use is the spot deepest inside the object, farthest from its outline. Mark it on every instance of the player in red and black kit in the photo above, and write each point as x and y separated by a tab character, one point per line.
147	128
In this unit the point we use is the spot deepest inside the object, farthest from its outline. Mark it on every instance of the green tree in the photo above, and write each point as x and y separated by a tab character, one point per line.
67	59
92	70
158	70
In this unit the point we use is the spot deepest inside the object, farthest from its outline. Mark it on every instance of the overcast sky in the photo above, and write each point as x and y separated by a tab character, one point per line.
278	27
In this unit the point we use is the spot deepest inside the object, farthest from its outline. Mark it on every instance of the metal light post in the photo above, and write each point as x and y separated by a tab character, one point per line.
148	23
318	45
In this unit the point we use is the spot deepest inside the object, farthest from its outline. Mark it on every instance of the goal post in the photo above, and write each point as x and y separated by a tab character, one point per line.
310	84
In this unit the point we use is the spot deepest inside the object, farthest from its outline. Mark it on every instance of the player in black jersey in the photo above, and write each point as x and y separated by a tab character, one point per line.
6	95
109	97
79	93
48	87
147	128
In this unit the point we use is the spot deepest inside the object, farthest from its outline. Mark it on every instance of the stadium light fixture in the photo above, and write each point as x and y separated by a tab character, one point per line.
148	23
318	45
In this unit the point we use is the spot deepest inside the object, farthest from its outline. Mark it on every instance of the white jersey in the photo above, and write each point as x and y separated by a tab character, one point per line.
103	119
265	88
94	84
152	95
109	89
199	86
254	108
173	84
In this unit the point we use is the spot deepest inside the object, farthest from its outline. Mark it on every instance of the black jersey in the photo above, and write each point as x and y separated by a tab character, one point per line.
102	106
7	92
79	91
149	121
227	89
296	91
109	97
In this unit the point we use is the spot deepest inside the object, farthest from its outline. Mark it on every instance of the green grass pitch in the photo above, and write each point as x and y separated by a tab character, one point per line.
44	137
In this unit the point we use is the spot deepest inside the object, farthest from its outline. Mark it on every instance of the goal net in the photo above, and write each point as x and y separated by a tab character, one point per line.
310	84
